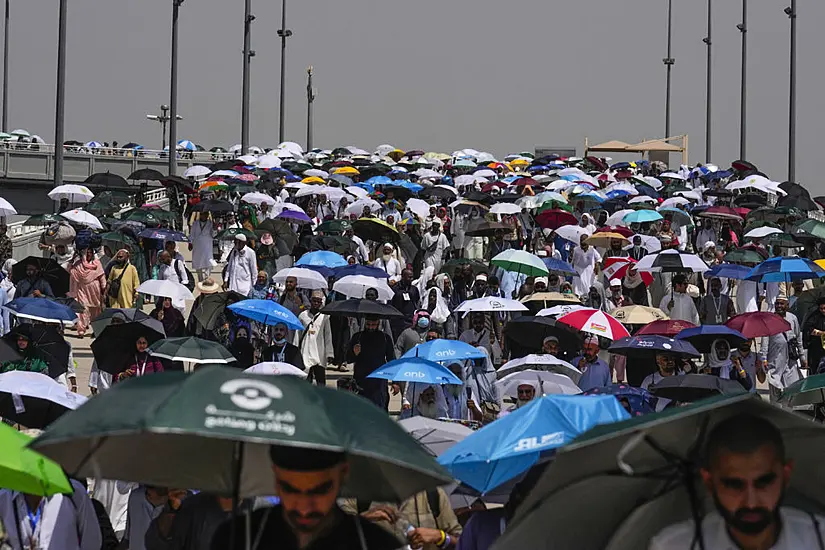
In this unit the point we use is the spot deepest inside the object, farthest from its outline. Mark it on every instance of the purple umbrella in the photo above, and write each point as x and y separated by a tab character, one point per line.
294	216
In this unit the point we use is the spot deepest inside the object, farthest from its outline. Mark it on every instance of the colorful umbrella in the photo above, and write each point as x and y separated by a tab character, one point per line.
521	262
670	327
27	471
616	267
595	322
758	323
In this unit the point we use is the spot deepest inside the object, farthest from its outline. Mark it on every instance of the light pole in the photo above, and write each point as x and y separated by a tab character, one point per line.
163	118
743	111
247	57
284	33
173	93
310	100
669	62
60	100
6	71
791	13
708	101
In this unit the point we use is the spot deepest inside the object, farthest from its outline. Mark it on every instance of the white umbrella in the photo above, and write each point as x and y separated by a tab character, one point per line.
671	175
39	387
235	148
693	195
167	289
276	368
761	232
669	261
757	182
649	242
258	198
572	233
292	147
20	132
281	206
269	161
468	179
427	173
617	218
549	383
673	202
419	207
355	286
641	199
356	192
248	159
6	209
558	311
314	172
196	171
539	361
83	218
436	435
333	193
72	192
491	303
357	207
307	278
545	196
225	173
486	173
505	208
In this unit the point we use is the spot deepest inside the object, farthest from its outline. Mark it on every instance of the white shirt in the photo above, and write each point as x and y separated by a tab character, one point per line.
140	514
584	263
683	307
317	343
201	235
362	250
242	270
392	267
175	272
746	296
798	533
63	520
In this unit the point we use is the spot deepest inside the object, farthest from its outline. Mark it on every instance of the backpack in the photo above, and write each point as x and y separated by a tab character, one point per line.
190	281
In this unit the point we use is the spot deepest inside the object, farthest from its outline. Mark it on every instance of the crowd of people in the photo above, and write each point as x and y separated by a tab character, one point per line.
534	277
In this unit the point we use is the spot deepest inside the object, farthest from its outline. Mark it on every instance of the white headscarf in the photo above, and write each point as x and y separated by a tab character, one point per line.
421	283
413	396
717	362
441	311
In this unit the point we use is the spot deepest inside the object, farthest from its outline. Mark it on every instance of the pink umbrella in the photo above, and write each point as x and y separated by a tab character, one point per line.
670	327
758	323
247	177
596	322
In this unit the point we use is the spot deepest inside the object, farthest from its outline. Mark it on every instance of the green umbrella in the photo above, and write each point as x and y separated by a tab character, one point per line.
209	307
116	237
192	350
811	227
743	256
101	208
808	391
807	303
774	213
187	429
245	187
44	219
334	226
553	204
634	476
782	240
27	471
232	232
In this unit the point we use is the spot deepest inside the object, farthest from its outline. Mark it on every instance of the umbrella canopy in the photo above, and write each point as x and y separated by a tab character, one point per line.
114	348
558	311
483	228
743	256
689	388
306	278
81	217
520	261
547	383
807	391
230	233
638	315
34	400
595	322
435	435
703	337
358	269
511	445
73	193
49	270
555	218
44	219
416	369
356	286
639	400
373	229
208	309
530	332
146	174
782	269
558	266
672	261
27	471
276	368
647	346
213	205
188	427
670	328
258	198
41	309
807	303
445	351
636	497
164	234
267	312
450	265
539	362
728	271
616	267
606	238
322	258
758	323
105	319
192	350
48	343
167	289
572	233
355	307
641	216
490	303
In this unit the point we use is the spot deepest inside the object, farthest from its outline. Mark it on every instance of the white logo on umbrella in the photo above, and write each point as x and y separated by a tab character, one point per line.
252	395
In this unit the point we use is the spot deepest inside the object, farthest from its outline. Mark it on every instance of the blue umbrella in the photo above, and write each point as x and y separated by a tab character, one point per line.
785	269
415	369
640	401
702	337
642	216
512	444
325	271
162	234
187	145
379	180
729	271
322	258
651	344
41	309
445	350
414	187
365	186
558	265
358	269
266	312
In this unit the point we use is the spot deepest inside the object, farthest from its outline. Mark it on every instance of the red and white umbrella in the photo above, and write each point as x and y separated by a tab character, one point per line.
616	268
596	322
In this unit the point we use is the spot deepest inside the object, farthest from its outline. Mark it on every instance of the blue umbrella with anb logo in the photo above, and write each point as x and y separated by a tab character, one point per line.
267	312
416	369
442	351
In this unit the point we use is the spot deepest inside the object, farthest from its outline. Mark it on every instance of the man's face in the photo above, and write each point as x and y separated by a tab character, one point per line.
31	271
716	287
366	212
315	303
526	393
583	243
554	280
279	332
680	287
748	488
371	325
782	306
616	290
481	286
261	279
591	351
165	258
615	244
666	364
637	241
203	216
540	286
434	229
478	323
169	247
550	347
387	251
291	283
239	244
406	276
371	294
797	287
308	498
22	343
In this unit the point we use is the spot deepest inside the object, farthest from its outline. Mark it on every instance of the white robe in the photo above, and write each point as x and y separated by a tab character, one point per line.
201	236
392	267
584	263
746	296
435	257
683	307
241	270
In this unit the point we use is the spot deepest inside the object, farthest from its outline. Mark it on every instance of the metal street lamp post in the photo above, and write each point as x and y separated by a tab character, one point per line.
669	61
791	13
247	57
173	93
284	33
708	98
743	111
59	116
6	71
310	100
163	118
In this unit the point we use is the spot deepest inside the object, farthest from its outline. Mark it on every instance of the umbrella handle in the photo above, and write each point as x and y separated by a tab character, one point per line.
626	450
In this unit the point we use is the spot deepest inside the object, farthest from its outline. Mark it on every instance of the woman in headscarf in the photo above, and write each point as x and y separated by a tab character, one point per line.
440	317
30	360
87	284
719	363
242	348
596	297
260	290
170	318
267	254
445	285
634	287
121	289
144	362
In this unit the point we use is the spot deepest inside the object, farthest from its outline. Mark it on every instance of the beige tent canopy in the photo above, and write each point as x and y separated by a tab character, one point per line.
658	149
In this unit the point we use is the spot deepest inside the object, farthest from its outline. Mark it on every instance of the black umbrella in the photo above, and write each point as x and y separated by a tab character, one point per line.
8	352
207	309
101	208
106	179
226	165
750	198
281	230
50	271
333	243
450	265
373	229
482	228
173	181
213	205
688	388
530	332
802	202
400	193
130	145
356	307
114	349
48	343
146	174
105	319
44	219
438	193
478	196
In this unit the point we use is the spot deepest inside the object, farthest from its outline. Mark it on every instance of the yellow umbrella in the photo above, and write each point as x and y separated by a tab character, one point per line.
313	179
820	263
347	171
520	162
638	315
437	156
395	154
604	239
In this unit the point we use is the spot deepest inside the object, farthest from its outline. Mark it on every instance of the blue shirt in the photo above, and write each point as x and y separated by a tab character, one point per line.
596	375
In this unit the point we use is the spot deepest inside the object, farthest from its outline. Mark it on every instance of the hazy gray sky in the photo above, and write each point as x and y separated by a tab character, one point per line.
432	74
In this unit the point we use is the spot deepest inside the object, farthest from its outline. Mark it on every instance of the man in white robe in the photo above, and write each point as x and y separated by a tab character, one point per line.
389	264
678	304
201	236
241	269
584	262
434	244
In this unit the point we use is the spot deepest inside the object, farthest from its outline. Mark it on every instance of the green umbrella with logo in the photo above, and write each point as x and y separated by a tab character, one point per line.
807	391
27	471
211	431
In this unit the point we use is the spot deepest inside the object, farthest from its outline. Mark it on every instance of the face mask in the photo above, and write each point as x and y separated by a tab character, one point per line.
280	341
423	322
